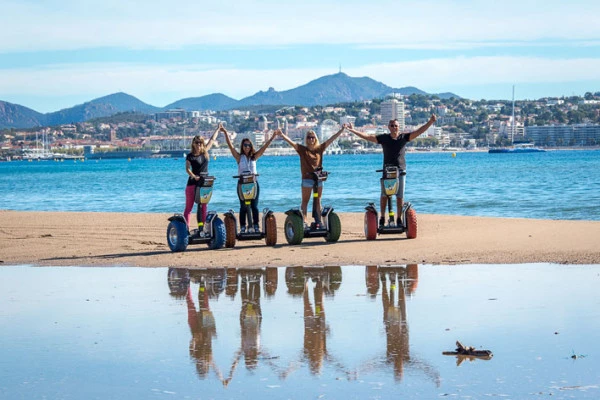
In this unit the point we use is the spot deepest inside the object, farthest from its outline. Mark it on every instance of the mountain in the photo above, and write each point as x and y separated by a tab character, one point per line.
16	116
326	90
215	101
100	107
329	89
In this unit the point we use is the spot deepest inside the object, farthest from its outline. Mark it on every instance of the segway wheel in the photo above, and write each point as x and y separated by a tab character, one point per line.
411	224
177	236
270	231
294	229
335	228
219	235
370	225
230	233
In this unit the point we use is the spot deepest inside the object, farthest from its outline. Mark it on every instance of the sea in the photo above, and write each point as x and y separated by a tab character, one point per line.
556	185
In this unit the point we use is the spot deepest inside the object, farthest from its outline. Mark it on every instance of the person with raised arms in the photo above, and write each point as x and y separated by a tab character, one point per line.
196	164
246	160
394	154
311	160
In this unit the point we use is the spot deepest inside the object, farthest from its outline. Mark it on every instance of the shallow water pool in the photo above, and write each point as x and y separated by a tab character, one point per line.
373	332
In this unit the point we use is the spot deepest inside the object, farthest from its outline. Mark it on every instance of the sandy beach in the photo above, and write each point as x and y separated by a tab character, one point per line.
135	239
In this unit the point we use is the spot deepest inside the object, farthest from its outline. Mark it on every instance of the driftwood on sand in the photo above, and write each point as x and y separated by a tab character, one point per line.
469	352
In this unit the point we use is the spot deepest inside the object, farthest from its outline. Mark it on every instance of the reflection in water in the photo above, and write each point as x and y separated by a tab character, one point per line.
401	281
313	285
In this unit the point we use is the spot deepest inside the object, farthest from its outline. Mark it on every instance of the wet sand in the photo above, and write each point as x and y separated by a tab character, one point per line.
135	239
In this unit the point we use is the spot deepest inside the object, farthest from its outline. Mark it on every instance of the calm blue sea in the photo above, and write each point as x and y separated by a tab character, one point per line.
551	185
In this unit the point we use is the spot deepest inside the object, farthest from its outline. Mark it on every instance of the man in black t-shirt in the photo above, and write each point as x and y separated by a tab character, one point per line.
394	151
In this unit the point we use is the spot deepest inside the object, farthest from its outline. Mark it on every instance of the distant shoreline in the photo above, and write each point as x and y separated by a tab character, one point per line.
274	151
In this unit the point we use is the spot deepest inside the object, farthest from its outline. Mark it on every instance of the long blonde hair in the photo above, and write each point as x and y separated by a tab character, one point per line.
306	138
201	146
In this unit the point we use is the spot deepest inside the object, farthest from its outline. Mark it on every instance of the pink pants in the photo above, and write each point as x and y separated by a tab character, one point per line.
190	194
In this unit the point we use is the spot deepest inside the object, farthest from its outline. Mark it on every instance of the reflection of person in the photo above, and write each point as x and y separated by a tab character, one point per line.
196	163
394	150
311	159
246	159
372	280
271	279
315	328
394	320
250	317
203	328
232	283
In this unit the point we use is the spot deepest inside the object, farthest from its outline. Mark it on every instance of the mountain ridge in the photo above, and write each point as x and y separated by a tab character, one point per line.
328	89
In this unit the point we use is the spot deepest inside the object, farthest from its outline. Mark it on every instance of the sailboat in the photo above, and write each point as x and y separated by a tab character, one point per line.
516	147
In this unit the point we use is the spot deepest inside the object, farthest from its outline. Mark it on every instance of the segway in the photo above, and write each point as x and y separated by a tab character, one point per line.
326	224
212	232
247	191
391	182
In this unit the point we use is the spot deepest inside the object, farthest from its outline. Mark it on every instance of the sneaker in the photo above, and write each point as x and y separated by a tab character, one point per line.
256	228
398	221
381	222
243	229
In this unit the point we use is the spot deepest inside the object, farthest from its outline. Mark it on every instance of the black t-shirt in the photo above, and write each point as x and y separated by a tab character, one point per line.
394	150
199	165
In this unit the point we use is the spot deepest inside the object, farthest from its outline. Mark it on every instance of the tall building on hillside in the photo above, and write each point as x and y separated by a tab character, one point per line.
393	109
263	124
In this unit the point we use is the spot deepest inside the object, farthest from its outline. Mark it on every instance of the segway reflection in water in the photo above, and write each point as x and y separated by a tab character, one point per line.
390	182
326	224
247	191
211	232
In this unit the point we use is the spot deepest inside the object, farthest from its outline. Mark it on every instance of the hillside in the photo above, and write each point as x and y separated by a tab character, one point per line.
16	116
329	89
215	101
100	107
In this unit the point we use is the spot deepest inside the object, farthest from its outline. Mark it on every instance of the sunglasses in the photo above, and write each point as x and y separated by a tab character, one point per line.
247	145
197	142
311	137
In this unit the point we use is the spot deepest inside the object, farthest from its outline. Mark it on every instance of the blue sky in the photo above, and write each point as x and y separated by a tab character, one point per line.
58	53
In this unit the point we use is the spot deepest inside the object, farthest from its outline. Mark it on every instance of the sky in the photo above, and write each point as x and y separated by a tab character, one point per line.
55	54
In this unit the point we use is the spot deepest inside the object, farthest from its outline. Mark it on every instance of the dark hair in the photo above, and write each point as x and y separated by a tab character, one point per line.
252	151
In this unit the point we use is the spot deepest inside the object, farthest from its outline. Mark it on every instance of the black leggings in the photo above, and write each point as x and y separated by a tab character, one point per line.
253	206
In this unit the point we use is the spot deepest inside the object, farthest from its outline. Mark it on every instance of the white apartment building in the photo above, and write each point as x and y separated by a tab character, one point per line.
393	109
564	135
347	119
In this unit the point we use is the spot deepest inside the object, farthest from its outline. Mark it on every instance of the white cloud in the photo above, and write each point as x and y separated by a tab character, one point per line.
173	82
447	72
34	26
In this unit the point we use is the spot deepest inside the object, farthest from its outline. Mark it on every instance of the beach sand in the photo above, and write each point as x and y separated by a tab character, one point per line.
135	239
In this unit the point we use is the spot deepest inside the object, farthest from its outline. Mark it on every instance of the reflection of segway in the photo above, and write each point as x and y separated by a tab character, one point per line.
328	227
391	183
212	232
247	191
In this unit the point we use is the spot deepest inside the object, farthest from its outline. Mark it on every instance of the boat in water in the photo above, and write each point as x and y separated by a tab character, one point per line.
518	148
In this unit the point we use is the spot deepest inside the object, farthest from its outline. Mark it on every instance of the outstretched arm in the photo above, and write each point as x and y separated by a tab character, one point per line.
333	137
265	145
368	138
290	141
422	129
233	151
211	141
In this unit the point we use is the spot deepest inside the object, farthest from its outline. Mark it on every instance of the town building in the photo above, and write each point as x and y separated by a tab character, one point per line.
564	135
393	109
